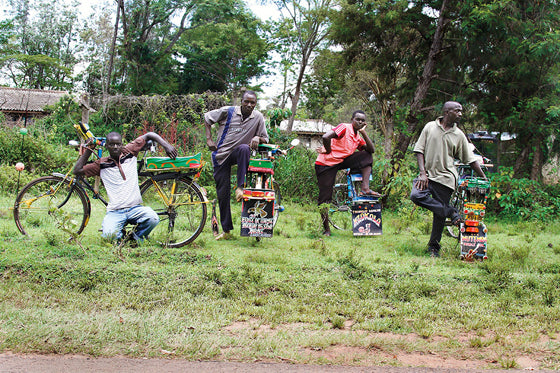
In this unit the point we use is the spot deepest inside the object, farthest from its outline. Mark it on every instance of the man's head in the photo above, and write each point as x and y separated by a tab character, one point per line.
114	145
358	119
452	112
248	102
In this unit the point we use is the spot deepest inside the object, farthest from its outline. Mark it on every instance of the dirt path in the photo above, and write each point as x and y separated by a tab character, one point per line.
16	363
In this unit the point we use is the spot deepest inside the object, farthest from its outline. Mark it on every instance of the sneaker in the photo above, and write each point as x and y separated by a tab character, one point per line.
238	194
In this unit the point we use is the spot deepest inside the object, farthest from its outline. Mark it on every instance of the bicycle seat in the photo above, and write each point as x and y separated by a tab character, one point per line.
261	165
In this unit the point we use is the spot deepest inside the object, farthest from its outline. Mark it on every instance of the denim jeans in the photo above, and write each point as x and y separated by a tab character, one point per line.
143	217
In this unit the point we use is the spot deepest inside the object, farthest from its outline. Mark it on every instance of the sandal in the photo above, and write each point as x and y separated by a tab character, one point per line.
370	193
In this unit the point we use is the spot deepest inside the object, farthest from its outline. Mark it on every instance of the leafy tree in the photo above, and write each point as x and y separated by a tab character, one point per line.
44	52
514	73
310	23
224	50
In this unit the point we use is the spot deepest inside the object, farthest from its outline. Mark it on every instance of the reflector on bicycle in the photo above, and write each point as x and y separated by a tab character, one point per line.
166	163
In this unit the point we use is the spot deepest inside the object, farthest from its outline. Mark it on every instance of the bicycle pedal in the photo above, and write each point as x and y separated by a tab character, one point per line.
280	208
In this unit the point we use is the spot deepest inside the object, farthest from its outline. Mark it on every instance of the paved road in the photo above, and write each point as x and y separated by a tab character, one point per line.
13	363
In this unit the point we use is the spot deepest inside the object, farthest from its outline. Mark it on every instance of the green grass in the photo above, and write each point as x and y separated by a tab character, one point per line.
293	297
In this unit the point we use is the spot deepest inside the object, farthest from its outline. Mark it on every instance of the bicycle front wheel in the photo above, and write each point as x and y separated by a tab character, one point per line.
181	207
51	203
340	214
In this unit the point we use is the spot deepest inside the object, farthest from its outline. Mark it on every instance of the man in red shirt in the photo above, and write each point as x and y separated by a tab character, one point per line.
338	152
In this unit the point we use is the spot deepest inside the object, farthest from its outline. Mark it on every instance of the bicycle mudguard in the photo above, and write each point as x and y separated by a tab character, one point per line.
166	163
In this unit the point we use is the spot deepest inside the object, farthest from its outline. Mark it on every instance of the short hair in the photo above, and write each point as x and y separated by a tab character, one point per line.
248	93
112	134
357	112
449	105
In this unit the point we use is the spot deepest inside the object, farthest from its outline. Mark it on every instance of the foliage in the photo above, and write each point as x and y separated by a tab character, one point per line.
299	161
276	116
224	50
177	118
39	156
523	199
44	52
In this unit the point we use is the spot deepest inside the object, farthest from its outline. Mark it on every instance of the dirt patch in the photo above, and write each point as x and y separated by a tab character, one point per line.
463	350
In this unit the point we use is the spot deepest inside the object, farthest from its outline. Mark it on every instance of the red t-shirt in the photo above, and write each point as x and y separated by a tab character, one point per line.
346	143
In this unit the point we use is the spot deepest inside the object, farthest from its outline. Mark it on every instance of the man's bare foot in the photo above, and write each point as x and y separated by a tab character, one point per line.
369	192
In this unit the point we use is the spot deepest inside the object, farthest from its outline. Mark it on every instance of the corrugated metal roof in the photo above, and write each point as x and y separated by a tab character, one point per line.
31	100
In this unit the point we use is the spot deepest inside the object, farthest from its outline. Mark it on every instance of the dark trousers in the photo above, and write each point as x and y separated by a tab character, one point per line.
326	175
222	175
436	199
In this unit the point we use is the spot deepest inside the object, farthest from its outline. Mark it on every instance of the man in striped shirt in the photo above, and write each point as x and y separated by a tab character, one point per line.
119	173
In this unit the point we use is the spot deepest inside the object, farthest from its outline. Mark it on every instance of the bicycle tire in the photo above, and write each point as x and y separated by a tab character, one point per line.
48	200
340	214
183	221
277	203
457	202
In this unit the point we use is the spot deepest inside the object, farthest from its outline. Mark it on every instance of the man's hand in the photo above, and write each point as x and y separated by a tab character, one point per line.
255	141
211	144
321	150
170	151
421	181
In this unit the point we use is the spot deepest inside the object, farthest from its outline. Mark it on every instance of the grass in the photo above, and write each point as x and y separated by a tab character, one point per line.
296	297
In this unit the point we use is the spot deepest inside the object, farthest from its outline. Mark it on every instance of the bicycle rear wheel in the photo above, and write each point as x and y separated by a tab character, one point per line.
50	203
340	214
181	207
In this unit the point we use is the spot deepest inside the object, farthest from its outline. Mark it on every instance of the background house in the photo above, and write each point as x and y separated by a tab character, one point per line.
309	131
22	106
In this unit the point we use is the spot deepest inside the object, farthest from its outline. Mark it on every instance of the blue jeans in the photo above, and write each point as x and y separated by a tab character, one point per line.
143	217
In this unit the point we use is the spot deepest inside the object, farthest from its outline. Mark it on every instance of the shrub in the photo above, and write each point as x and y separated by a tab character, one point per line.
523	198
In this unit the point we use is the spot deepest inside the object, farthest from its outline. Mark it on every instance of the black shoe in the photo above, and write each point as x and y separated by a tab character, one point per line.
434	250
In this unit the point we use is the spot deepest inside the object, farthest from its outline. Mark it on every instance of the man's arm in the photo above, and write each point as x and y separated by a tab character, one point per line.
79	166
327	137
422	180
169	149
370	148
209	141
476	166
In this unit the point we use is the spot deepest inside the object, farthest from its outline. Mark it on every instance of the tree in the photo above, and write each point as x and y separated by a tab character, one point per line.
44	52
224	50
512	56
310	22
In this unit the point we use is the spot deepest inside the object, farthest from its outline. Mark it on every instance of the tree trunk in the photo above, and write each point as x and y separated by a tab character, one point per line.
536	167
112	54
425	81
295	98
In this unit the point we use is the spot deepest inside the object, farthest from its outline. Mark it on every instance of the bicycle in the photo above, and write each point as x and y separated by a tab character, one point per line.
457	199
346	195
261	195
170	188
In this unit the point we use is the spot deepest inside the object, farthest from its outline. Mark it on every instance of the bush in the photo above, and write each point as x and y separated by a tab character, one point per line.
523	199
38	156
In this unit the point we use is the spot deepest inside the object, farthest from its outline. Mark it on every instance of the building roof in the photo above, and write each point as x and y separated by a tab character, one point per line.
28	100
308	126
